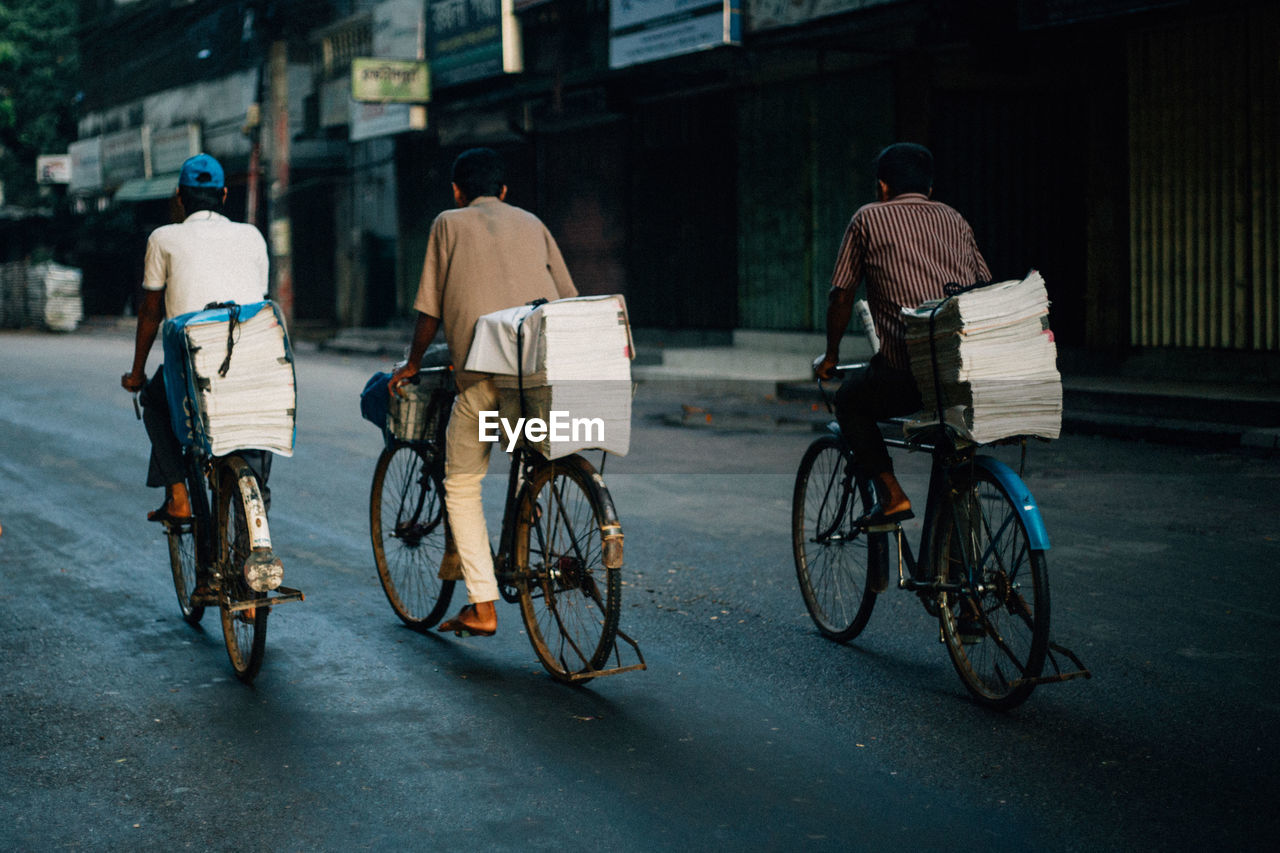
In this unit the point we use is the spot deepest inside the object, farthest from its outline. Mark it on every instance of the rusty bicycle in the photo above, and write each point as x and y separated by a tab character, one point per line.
560	552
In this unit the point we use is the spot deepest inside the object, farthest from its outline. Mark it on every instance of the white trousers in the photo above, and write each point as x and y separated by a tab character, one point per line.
466	461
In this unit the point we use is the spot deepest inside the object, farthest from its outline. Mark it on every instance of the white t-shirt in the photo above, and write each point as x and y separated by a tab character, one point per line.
206	258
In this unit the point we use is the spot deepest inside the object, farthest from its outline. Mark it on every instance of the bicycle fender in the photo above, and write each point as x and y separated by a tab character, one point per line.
247	483
1023	501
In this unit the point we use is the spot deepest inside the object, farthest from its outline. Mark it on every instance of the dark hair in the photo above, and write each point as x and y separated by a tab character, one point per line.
905	168
479	171
200	198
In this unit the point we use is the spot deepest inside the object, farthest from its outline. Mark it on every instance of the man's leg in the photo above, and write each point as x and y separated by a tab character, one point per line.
466	461
864	399
166	468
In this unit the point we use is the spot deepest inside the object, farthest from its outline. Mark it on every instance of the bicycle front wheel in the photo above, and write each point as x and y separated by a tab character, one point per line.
569	593
184	550
834	559
407	525
244	629
996	626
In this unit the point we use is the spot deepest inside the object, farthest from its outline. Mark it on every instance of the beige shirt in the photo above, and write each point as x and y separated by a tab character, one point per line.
206	258
483	258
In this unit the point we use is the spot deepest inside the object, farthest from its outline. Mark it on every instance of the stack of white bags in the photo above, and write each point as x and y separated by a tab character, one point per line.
996	361
570	356
253	406
44	295
53	297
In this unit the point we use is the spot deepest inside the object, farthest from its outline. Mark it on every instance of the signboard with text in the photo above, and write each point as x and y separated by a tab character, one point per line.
53	169
472	39
124	155
86	164
648	30
170	146
387	81
771	14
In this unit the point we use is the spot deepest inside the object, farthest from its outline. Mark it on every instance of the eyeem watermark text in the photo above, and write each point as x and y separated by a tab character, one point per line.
559	428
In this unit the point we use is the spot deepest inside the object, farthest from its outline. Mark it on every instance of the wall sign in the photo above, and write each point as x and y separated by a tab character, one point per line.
648	30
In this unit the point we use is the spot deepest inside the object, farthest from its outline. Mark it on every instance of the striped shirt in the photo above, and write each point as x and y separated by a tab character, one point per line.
907	248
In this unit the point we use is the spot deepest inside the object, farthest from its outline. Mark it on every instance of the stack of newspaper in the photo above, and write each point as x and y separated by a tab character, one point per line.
53	297
253	405
567	363
995	361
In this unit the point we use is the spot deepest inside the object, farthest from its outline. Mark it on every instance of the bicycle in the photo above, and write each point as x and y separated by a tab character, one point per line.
981	569
228	530
560	551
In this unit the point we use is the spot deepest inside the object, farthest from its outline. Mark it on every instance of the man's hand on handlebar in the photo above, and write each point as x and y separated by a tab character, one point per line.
824	367
402	374
133	381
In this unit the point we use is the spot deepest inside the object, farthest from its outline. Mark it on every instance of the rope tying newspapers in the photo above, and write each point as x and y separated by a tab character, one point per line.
233	318
537	303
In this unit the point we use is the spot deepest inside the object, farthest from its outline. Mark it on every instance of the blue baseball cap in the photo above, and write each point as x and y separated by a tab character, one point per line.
201	171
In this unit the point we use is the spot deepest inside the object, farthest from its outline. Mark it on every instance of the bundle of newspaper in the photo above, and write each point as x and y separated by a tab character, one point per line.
566	363
995	360
253	406
53	298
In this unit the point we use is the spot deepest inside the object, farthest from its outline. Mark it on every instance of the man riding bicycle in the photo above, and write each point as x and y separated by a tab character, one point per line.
906	247
203	260
484	256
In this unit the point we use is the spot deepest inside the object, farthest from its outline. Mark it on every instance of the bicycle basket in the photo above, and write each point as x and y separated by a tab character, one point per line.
423	411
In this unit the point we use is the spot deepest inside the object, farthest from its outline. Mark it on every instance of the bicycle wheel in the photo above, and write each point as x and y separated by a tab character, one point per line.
996	627
569	597
407	525
833	558
184	552
244	630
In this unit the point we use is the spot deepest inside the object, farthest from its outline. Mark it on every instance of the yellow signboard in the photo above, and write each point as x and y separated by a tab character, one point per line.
400	81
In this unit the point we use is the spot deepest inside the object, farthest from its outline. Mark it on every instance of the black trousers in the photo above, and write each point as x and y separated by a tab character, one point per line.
876	392
166	467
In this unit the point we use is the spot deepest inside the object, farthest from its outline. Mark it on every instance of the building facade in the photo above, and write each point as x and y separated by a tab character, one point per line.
704	156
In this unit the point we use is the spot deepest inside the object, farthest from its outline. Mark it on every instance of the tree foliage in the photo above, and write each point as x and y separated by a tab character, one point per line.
37	89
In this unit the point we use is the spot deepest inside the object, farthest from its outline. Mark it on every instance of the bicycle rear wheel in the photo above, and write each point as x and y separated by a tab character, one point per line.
834	559
996	627
570	595
407	525
184	549
244	629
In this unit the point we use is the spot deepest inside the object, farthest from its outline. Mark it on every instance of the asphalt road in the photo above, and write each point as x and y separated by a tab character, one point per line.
122	727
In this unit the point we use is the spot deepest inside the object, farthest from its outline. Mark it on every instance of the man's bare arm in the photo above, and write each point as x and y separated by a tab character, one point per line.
839	312
150	316
423	332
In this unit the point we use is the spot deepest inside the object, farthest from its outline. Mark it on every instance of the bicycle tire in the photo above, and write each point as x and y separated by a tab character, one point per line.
983	542
184	548
570	596
407	528
243	631
834	560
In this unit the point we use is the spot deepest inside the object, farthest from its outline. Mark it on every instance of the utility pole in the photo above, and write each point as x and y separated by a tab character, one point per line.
281	230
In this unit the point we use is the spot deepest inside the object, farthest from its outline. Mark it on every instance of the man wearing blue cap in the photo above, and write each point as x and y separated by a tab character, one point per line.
202	260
